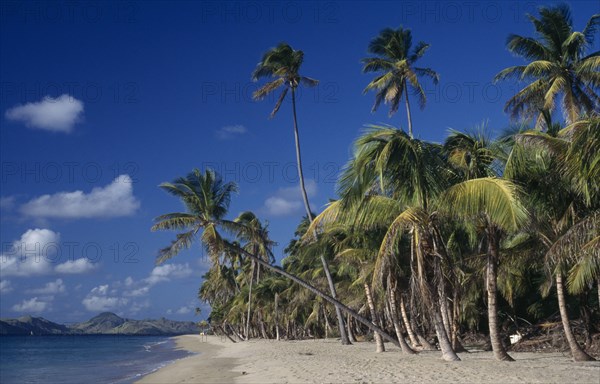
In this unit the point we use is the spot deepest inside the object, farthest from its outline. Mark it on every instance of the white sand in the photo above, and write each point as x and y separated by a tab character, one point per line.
327	361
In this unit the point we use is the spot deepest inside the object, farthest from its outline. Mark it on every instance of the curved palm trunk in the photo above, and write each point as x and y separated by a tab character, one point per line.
433	273
410	130
578	353
394	313
407	325
249	303
340	317
492	269
448	352
363	320
377	336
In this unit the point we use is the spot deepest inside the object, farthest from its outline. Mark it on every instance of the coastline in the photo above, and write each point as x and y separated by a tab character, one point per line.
318	361
205	366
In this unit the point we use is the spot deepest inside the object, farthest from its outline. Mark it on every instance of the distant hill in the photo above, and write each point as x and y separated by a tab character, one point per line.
26	325
106	323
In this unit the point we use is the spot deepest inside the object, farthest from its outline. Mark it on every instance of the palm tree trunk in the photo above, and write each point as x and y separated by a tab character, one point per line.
349	329
377	336
277	316
576	351
322	295
448	353
249	303
340	317
396	321
410	130
492	268
444	310
409	330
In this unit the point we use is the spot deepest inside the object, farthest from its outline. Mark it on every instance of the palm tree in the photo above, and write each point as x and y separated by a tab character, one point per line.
283	63
390	183
564	221
558	65
496	202
395	61
206	199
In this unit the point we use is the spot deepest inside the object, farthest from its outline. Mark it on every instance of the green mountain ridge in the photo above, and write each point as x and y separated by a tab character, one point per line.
106	323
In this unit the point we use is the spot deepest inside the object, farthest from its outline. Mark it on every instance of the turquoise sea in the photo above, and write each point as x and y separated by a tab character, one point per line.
83	359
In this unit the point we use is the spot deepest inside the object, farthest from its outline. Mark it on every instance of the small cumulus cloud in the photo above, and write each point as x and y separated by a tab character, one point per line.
98	300
78	266
50	288
230	131
167	272
183	311
55	115
31	254
288	201
159	274
33	305
114	200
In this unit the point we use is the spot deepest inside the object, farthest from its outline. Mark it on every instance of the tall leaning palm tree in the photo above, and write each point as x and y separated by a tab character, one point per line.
395	59
283	64
558	64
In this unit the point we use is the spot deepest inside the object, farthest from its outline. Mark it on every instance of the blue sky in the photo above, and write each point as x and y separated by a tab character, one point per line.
101	102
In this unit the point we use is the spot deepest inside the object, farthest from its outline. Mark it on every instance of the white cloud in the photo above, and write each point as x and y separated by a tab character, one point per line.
159	274
100	290
31	254
103	304
7	202
230	131
167	272
287	201
278	206
114	200
31	306
50	288
138	292
183	311
99	301
5	286
56	115
72	267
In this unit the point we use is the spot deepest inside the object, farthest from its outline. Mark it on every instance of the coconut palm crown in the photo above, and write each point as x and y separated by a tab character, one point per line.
558	65
282	63
395	59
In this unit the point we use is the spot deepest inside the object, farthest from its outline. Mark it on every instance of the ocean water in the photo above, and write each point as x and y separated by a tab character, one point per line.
83	359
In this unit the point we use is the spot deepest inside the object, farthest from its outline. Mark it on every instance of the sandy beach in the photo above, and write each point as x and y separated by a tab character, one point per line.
326	361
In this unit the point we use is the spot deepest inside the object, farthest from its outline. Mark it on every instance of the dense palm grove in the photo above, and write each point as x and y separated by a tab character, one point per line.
426	242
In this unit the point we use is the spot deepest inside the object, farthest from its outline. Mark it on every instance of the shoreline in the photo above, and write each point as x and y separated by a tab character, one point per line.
317	361
204	366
